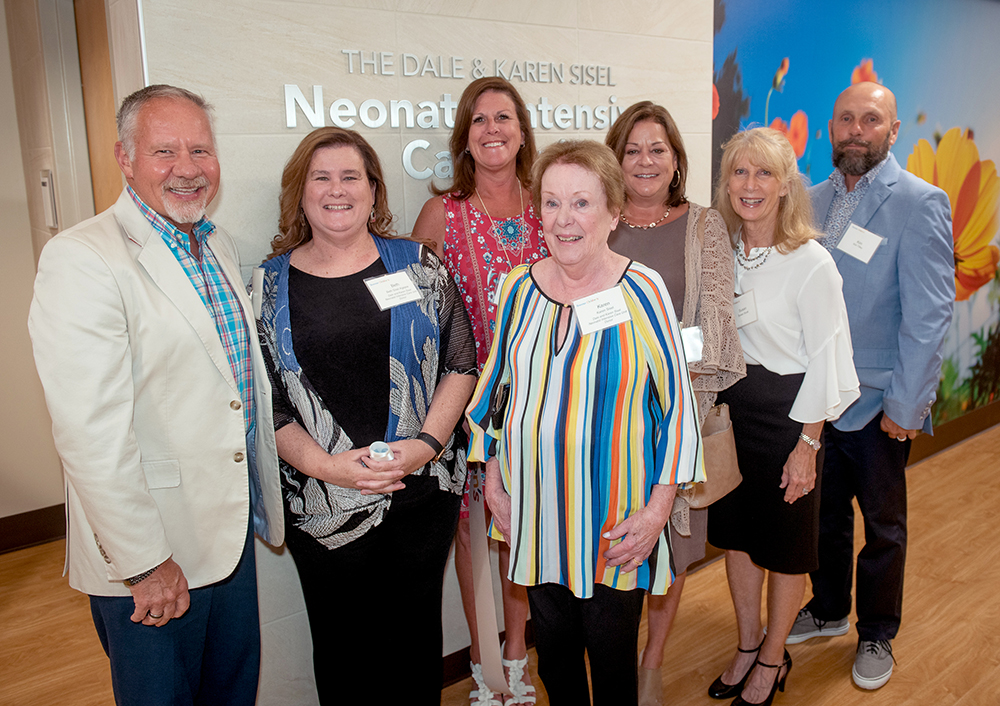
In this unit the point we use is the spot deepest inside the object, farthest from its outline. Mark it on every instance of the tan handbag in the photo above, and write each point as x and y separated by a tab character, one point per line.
722	472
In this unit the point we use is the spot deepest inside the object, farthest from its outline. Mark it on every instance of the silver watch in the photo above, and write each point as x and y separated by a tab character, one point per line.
812	442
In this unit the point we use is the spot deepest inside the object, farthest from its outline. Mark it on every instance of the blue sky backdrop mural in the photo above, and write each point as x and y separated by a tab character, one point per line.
783	63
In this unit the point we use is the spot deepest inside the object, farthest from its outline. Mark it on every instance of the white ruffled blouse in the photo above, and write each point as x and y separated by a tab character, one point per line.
801	327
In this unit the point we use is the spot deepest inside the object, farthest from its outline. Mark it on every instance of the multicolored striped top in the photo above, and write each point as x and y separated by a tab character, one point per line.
589	429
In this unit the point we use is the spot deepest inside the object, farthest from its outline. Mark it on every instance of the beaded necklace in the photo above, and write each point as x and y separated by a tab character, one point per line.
752	263
655	223
522	229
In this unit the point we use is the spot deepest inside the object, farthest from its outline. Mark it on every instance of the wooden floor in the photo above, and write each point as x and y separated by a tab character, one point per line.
948	652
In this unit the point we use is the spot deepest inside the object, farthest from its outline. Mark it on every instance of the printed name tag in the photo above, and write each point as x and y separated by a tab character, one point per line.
745	309
392	290
859	243
501	278
602	310
694	341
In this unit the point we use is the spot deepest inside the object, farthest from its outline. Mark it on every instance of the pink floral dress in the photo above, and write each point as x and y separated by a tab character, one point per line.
478	253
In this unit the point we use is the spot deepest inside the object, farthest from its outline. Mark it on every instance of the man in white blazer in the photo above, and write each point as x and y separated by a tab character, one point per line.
145	342
890	235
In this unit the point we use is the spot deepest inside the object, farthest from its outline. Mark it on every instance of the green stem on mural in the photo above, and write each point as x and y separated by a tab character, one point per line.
767	105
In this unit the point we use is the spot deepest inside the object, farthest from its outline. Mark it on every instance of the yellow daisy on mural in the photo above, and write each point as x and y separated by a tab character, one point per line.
973	189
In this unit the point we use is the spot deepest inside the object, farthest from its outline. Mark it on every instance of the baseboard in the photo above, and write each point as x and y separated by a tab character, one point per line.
955	431
30	528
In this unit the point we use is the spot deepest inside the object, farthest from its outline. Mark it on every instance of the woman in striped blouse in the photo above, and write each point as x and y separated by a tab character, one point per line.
585	417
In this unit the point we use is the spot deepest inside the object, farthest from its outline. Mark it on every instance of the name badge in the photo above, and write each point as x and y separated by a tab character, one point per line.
392	290
745	309
602	310
693	340
501	278
859	243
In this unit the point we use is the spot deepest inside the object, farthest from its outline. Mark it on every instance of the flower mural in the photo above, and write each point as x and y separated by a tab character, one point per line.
777	84
797	131
865	71
973	189
715	101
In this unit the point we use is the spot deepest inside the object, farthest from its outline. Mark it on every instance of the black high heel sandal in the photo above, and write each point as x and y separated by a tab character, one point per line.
776	685
722	690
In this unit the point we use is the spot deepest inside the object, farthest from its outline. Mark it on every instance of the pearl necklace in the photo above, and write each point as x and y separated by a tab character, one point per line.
651	225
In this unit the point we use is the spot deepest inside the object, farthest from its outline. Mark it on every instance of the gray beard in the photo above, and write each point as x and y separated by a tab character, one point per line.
859	163
185	213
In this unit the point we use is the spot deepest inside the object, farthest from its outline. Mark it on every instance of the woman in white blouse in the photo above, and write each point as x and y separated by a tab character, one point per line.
793	327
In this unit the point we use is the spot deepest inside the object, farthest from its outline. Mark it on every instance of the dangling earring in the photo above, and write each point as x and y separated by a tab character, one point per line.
372	217
676	181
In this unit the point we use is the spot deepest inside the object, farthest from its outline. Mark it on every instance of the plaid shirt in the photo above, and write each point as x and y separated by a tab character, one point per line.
844	204
219	297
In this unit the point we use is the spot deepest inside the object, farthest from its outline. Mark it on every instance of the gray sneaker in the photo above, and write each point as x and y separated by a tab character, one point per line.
806	626
873	663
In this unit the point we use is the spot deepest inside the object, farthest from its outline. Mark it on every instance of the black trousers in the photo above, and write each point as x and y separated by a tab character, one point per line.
375	604
871	466
606	626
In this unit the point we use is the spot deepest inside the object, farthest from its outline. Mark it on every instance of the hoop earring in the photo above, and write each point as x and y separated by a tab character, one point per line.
371	218
676	181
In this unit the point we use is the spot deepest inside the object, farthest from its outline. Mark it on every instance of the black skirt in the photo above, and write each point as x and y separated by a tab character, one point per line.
754	518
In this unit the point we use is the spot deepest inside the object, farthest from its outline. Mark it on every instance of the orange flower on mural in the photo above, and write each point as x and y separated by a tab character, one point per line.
865	71
715	101
973	189
779	76
777	84
797	133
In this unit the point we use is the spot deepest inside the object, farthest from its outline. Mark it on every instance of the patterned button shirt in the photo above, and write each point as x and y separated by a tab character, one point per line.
844	204
218	296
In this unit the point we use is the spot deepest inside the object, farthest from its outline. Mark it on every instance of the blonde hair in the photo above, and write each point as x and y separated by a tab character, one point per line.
592	156
768	149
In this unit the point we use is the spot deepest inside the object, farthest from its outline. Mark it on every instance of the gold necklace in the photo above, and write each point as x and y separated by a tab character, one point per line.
651	225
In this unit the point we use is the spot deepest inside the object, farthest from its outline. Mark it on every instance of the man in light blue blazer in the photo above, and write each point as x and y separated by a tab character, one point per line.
891	237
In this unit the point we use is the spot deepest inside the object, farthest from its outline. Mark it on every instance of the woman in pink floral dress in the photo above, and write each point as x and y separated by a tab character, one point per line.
482	227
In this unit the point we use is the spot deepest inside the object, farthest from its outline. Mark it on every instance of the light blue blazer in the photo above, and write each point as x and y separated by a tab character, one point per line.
900	303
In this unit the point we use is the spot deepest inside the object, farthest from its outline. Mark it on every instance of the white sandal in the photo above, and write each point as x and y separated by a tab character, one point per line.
482	695
522	693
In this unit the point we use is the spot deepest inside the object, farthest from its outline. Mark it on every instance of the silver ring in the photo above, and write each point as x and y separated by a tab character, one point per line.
805	492
900	438
154	617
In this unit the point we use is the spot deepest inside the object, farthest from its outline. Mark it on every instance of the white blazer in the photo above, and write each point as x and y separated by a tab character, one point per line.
146	414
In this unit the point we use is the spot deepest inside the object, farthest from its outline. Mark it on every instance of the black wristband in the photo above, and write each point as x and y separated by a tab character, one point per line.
139	578
433	443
